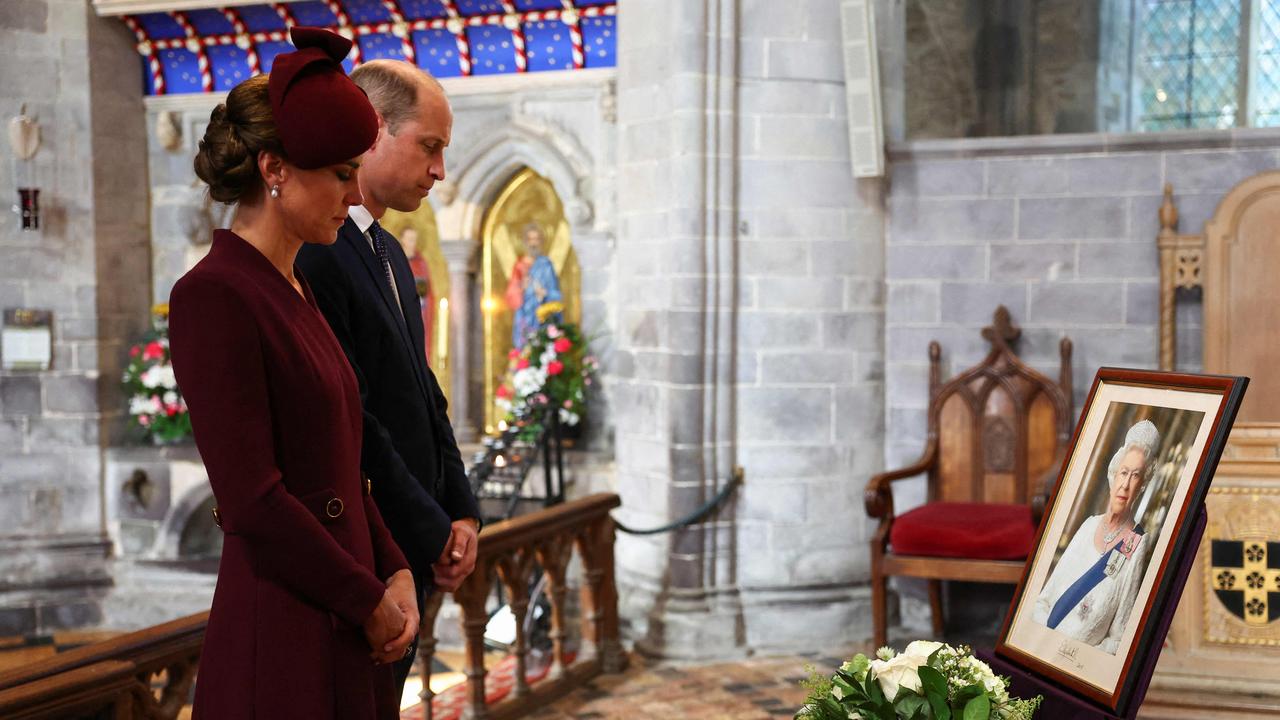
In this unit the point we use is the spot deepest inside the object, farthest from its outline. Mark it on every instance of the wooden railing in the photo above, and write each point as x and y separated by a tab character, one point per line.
148	674
508	553
143	674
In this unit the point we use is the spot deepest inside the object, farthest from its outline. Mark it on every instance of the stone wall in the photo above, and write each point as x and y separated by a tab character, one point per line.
77	75
1061	230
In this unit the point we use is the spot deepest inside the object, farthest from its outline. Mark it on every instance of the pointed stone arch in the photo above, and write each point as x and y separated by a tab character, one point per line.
485	169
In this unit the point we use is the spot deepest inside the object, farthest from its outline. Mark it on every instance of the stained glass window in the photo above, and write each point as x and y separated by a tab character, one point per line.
1264	97
1188	64
1206	64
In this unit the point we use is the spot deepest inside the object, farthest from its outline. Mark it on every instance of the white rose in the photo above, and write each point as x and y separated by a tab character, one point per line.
151	378
924	648
901	671
170	397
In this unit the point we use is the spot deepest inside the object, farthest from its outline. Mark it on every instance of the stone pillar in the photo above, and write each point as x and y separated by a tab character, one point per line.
750	328
459	255
674	363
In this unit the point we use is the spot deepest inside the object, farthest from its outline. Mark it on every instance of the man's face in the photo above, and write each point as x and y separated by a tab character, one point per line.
533	241
402	166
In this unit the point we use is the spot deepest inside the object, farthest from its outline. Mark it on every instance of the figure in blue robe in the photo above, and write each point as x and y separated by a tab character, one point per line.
541	301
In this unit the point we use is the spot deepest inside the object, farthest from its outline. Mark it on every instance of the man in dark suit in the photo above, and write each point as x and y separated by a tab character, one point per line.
365	288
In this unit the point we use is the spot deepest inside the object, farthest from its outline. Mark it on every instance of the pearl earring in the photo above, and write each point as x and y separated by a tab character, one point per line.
275	191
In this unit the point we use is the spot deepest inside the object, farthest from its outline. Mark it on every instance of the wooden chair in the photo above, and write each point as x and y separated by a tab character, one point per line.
997	434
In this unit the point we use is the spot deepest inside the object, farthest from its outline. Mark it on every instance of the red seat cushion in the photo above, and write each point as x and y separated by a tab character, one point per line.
965	530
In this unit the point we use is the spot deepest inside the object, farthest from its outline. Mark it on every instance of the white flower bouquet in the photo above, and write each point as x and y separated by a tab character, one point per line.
926	681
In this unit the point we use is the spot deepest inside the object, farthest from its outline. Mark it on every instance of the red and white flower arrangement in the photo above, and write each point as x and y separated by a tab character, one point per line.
552	370
156	406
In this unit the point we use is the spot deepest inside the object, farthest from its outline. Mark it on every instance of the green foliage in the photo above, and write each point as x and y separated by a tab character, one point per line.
953	685
978	708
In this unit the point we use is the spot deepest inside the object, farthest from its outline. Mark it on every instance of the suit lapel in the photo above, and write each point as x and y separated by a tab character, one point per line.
360	245
374	274
412	305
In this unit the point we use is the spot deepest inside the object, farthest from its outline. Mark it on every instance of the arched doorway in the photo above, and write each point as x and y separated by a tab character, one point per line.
528	200
420	239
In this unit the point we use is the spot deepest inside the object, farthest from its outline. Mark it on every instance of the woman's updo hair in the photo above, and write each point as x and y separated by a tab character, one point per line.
238	130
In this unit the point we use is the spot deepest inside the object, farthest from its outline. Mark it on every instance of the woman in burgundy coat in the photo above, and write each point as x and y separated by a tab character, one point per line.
313	597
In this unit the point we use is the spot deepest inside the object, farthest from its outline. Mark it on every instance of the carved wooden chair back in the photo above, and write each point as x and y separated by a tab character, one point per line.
997	424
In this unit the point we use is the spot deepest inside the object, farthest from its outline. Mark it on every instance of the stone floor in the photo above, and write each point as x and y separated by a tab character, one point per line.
756	688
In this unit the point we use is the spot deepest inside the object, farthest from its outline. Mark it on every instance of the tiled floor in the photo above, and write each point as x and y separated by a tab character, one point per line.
757	688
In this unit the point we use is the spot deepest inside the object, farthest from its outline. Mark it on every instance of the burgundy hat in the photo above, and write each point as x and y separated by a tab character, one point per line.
322	116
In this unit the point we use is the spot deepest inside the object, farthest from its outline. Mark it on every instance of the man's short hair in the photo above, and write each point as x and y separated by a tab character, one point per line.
392	87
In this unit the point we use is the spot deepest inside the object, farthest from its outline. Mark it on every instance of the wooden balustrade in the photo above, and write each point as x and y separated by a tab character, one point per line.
149	674
508	553
111	679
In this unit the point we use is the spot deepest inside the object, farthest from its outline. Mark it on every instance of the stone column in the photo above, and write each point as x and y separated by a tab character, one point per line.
673	391
459	255
749	329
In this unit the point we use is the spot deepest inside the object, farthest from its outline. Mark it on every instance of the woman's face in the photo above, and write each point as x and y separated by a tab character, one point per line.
1127	485
315	202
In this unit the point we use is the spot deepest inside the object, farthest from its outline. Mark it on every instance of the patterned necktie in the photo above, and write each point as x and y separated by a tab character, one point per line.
380	248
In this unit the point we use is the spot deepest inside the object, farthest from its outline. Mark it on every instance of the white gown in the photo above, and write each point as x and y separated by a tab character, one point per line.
1100	616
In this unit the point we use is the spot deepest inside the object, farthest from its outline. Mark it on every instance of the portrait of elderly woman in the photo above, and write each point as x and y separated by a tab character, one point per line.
1091	591
1120	531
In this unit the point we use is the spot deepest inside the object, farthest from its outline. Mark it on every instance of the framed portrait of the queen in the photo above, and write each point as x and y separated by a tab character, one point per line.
1116	526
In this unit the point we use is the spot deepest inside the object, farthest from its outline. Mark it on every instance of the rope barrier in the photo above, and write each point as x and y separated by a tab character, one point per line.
695	516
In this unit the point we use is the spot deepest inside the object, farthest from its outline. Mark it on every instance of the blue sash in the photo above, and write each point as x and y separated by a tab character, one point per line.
1081	587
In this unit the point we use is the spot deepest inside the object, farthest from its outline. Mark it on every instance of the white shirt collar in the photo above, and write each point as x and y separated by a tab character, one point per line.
361	217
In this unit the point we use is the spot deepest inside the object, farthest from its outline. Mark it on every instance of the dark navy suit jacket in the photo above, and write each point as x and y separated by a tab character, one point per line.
409	452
